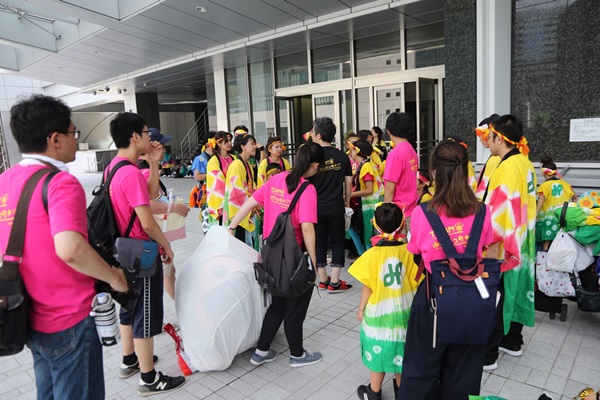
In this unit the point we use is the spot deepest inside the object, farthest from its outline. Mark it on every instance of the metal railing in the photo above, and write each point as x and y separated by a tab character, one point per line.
189	144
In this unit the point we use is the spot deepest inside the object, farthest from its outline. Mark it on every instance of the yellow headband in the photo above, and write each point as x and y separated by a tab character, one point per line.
521	144
274	143
240	131
549	172
463	144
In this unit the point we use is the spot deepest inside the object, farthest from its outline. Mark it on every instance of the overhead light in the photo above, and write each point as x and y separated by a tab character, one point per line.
107	88
186	86
120	91
98	51
201	9
94	93
144	84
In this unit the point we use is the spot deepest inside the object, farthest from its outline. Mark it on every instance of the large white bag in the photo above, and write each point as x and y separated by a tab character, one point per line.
219	302
566	254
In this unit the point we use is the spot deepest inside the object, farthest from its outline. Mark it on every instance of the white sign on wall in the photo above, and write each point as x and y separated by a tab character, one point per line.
585	130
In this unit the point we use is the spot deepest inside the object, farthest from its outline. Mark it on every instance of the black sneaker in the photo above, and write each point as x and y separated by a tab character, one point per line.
128	370
162	384
364	392
396	387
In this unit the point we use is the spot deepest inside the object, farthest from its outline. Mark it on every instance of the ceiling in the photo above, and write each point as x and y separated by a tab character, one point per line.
168	46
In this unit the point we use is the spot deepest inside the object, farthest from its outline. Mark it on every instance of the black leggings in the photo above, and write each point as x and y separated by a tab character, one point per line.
330	228
290	311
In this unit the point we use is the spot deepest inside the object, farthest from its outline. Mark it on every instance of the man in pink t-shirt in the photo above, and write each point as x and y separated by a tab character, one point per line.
58	266
401	165
129	195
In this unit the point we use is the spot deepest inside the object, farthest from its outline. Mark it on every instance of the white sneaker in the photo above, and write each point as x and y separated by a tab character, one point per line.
491	367
513	353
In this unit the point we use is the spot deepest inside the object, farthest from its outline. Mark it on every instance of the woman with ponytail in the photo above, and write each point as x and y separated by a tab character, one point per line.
216	171
275	196
444	370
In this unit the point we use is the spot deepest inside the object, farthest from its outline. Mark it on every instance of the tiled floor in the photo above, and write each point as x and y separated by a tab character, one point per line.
560	358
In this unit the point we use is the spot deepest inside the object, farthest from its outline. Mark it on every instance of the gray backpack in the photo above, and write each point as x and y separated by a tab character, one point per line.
285	270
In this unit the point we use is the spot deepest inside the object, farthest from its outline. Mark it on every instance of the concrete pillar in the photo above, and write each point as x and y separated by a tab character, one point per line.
221	100
147	105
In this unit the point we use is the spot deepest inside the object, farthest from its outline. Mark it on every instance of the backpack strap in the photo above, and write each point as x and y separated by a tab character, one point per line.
297	197
106	183
444	238
10	268
563	214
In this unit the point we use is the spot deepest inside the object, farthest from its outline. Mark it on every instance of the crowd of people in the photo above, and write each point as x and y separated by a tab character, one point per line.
246	186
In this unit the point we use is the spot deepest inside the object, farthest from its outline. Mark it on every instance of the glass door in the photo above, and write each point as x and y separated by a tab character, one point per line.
419	99
284	125
327	105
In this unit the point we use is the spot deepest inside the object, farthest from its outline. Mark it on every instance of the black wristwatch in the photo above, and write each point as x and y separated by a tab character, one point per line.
261	148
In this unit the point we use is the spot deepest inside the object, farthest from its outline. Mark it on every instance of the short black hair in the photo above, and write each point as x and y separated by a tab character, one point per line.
510	126
548	162
388	217
240	128
242	140
400	125
364	134
123	126
325	127
35	118
365	148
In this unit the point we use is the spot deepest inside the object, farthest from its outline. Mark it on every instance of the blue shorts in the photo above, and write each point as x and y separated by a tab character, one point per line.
146	316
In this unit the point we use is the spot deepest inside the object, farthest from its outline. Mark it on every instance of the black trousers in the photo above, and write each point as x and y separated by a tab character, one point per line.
330	227
290	311
514	337
448	371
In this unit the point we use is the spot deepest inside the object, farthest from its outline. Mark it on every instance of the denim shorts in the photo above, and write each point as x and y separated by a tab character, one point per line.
146	316
68	364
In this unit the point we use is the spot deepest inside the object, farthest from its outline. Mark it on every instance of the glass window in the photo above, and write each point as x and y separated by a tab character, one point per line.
363	109
346	114
237	96
331	62
291	69
425	46
374	54
261	85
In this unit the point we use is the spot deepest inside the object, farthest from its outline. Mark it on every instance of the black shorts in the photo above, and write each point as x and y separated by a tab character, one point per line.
146	316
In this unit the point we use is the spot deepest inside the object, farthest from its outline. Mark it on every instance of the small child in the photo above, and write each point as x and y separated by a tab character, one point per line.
387	271
424	186
551	194
273	169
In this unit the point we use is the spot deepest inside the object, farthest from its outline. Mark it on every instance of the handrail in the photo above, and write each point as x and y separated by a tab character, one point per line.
190	140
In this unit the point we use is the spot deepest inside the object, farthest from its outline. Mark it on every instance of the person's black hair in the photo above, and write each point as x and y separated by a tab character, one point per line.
547	162
308	153
455	138
325	127
510	126
378	131
240	128
364	134
488	120
35	118
388	217
123	126
400	125
242	140
273	165
366	149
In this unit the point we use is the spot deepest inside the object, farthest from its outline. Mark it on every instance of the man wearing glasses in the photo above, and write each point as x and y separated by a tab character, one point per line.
129	196
58	266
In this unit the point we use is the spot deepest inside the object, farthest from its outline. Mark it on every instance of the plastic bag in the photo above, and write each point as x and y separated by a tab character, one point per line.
566	255
219	303
552	283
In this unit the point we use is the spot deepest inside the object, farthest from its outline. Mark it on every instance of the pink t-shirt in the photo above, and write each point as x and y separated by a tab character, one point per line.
128	190
61	296
275	199
423	241
401	168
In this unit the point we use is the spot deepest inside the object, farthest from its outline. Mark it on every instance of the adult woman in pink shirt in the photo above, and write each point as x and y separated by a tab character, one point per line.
275	196
448	371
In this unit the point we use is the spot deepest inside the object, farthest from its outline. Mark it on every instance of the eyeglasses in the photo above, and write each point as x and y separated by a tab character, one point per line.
76	133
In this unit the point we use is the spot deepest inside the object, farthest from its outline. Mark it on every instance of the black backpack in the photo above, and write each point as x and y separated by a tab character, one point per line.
14	299
285	270
101	223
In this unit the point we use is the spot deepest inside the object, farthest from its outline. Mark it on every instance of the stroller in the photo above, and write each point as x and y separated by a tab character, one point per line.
566	271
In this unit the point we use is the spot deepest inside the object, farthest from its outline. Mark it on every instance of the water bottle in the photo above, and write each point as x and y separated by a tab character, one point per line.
105	317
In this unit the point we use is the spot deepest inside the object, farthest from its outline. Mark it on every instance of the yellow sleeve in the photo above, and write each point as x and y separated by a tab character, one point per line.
360	269
262	173
287	164
368	168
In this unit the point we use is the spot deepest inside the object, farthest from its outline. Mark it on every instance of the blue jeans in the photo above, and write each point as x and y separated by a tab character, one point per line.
68	364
